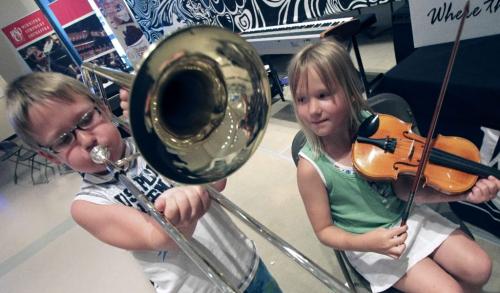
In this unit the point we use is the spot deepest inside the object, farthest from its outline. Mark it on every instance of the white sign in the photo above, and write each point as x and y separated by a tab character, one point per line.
437	21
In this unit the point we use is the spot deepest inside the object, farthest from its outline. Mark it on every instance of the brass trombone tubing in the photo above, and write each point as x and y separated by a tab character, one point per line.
192	249
319	273
286	248
92	75
326	278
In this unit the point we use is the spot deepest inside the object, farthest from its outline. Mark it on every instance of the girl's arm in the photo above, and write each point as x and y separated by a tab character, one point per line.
131	229
484	190
315	198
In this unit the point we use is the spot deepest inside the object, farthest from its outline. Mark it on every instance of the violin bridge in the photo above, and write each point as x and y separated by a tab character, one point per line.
411	150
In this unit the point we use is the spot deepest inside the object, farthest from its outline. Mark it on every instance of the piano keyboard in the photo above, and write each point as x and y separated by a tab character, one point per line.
289	38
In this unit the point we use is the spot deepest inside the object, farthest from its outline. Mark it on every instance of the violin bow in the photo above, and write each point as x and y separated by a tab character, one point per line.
426	151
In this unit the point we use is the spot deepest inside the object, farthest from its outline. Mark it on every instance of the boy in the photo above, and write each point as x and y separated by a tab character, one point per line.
57	116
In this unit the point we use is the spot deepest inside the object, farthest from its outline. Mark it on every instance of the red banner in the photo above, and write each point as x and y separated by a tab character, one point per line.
41	48
27	29
36	25
68	11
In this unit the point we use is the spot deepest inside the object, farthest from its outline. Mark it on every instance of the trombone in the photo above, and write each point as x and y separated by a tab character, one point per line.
199	105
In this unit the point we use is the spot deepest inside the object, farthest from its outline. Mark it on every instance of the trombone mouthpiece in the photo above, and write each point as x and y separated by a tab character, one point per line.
99	154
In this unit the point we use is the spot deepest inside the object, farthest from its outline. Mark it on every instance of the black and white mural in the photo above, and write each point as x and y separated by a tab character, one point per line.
156	17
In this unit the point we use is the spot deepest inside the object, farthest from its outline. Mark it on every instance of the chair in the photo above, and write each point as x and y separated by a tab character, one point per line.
26	157
388	104
8	149
394	105
30	156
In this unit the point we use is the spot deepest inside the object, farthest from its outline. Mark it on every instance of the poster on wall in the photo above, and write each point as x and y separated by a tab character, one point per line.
436	21
39	46
124	27
86	33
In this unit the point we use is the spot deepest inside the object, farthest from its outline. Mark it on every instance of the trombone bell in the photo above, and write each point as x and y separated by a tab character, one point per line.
199	104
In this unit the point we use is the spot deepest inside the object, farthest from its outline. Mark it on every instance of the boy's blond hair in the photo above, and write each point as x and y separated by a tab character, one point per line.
37	88
335	68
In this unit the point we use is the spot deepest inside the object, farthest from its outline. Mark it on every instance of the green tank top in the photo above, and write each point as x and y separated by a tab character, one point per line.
356	205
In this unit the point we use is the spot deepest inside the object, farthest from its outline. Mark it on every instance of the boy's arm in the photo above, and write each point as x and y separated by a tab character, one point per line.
315	198
131	229
485	189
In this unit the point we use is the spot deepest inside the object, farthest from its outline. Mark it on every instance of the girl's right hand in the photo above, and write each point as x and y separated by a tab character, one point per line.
390	242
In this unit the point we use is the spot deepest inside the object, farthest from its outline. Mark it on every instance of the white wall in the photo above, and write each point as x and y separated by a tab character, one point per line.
11	63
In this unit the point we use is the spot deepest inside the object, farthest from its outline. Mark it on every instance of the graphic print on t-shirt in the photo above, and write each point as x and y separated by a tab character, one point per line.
149	183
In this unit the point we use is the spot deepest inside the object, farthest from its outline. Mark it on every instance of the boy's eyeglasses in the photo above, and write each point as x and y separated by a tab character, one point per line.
65	140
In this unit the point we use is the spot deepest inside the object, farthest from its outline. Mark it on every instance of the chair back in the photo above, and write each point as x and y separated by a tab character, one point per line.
8	149
387	103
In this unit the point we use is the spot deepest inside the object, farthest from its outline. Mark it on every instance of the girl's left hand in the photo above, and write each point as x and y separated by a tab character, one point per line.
484	190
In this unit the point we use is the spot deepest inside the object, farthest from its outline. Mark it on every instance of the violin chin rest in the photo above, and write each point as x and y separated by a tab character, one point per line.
369	126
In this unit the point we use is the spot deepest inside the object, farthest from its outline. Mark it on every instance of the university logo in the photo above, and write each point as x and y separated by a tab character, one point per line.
17	34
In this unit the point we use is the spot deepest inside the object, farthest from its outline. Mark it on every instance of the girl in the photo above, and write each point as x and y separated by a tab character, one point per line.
350	213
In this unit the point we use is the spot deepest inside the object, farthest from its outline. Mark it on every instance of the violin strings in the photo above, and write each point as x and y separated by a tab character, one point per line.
459	163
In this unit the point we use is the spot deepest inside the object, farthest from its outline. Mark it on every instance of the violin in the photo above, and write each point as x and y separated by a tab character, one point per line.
462	157
386	147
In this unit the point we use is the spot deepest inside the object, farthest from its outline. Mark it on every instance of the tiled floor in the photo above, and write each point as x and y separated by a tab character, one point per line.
43	250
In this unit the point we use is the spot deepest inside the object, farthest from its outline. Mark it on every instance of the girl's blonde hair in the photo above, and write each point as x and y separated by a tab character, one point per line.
37	88
335	68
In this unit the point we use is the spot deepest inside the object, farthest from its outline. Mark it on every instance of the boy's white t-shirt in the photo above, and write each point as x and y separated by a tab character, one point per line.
173	271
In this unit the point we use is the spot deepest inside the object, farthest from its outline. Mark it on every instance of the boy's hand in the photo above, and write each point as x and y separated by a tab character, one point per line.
183	206
124	95
484	190
390	242
219	185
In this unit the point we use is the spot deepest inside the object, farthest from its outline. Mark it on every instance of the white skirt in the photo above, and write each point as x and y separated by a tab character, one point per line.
427	229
